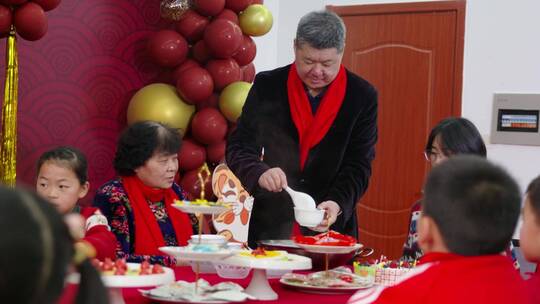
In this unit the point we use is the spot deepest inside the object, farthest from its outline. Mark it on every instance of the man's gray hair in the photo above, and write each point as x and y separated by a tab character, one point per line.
321	30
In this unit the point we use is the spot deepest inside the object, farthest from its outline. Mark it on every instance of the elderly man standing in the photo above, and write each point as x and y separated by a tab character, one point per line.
311	125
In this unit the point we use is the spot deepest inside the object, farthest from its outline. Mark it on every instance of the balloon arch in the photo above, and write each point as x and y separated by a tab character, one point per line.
210	53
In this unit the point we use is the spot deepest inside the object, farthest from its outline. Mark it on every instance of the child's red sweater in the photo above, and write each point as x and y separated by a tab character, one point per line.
98	234
448	278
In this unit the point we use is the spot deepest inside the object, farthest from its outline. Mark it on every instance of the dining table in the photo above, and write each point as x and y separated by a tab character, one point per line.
285	294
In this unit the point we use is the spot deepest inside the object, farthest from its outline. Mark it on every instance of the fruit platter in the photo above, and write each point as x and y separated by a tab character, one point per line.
384	271
119	274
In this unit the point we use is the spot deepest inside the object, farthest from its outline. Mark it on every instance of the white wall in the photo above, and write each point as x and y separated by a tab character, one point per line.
502	54
267	45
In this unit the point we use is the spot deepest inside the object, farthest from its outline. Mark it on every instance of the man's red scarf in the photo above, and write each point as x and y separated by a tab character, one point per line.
312	129
148	235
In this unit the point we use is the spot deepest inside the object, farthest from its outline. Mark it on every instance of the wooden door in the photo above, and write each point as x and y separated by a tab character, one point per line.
413	54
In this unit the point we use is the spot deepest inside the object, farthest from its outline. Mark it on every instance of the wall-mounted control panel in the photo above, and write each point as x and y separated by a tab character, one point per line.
515	119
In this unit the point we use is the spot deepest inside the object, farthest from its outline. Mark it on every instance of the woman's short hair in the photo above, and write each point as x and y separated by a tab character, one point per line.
69	157
321	30
140	141
457	135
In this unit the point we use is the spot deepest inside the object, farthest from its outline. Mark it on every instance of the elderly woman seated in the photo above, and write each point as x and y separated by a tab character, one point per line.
138	202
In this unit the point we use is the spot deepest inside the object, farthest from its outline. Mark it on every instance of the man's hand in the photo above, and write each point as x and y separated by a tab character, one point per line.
332	212
273	180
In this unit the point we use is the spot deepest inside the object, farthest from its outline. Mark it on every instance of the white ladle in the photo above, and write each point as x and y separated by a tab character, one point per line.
301	200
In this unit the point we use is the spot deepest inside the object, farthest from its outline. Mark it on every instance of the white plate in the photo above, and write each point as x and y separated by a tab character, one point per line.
183	253
184	292
121	281
330	249
285	262
138	280
321	289
201	209
172	300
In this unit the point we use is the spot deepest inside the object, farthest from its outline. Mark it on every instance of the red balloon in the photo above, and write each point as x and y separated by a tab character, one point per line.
209	126
248	72
195	85
191	184
209	7
216	153
191	155
168	48
192	25
47	5
246	52
200	52
30	21
187	64
224	72
210	102
229	15
223	38
5	20
237	5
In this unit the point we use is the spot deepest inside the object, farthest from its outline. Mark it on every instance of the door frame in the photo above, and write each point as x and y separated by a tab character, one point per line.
439	6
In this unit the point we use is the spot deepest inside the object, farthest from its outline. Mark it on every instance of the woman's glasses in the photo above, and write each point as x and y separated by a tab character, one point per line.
433	156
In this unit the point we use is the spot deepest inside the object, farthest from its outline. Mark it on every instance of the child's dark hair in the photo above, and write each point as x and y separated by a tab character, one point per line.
71	157
35	256
457	135
140	141
474	203
533	192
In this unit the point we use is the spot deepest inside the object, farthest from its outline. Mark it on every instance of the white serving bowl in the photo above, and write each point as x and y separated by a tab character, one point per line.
209	239
309	217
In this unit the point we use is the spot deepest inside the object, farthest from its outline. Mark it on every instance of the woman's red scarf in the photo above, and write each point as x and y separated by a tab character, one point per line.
312	129
148	236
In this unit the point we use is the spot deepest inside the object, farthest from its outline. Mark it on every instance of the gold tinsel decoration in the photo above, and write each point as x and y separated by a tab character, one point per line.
8	148
174	9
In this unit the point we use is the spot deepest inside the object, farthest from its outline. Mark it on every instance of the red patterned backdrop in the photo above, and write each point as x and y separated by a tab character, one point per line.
75	83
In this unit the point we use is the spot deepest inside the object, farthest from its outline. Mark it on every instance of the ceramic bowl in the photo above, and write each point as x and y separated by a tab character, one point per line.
209	239
308	217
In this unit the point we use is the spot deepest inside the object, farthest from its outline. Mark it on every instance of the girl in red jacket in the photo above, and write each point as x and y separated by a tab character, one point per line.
62	179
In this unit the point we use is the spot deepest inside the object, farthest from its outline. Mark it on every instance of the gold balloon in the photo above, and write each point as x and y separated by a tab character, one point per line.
255	20
174	9
232	99
160	102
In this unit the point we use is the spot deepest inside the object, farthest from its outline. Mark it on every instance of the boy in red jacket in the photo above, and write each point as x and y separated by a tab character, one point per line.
470	210
530	235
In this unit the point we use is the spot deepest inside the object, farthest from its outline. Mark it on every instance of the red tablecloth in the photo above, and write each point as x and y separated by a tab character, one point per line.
286	295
